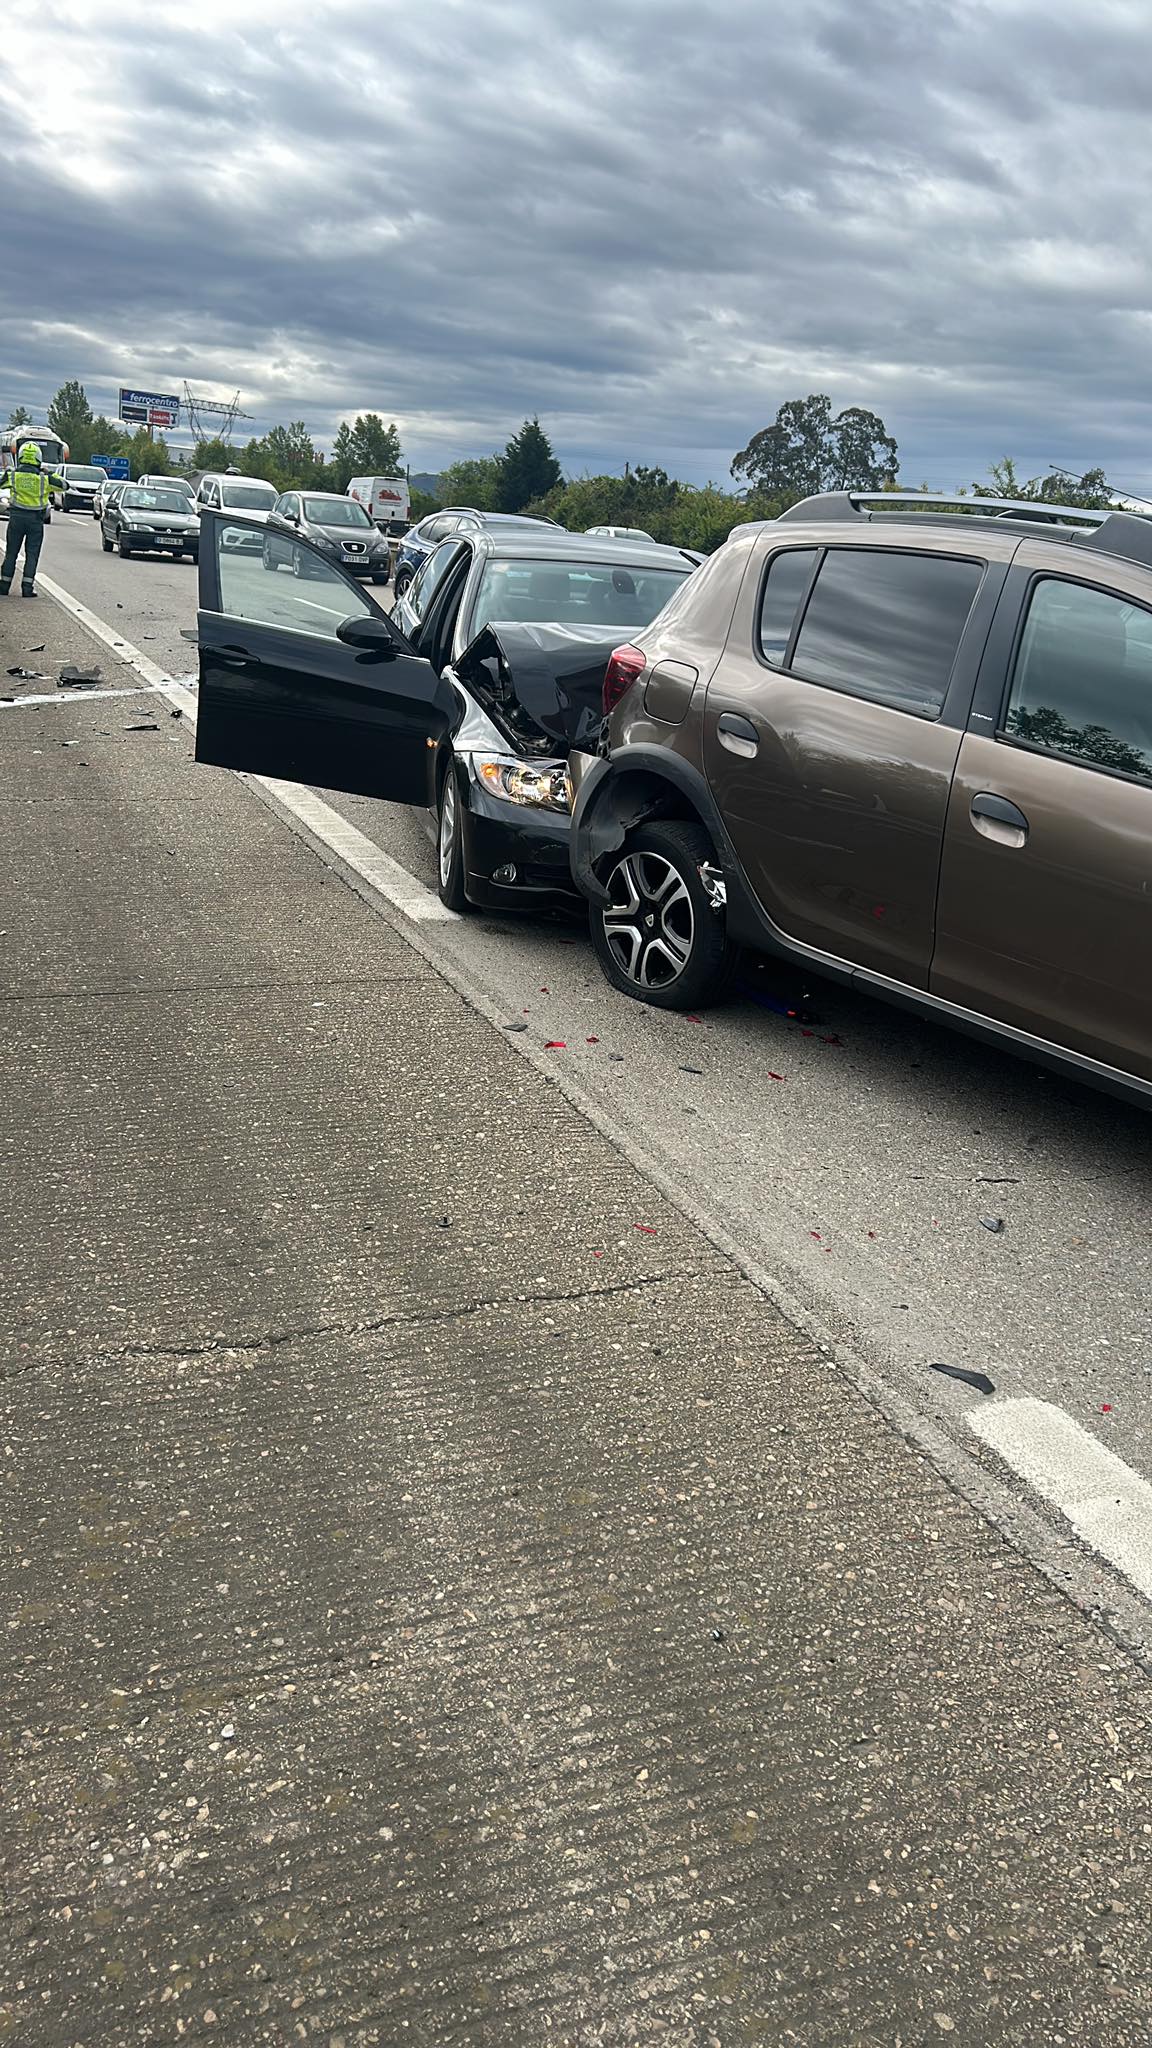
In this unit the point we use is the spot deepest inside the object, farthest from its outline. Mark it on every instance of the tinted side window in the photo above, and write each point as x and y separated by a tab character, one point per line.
886	625
784	586
1082	685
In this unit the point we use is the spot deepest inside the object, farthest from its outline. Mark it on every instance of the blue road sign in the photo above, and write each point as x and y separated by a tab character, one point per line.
116	465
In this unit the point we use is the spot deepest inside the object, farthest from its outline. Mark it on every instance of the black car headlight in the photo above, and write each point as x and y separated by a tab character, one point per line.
543	785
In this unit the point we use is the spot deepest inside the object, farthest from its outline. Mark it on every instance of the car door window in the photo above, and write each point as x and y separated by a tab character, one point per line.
315	601
789	574
431	575
886	625
1082	682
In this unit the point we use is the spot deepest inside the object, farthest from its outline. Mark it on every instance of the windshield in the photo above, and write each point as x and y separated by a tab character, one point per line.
248	497
335	512
140	500
573	594
79	473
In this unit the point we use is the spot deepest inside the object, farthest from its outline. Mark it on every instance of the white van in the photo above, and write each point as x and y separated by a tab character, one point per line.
386	499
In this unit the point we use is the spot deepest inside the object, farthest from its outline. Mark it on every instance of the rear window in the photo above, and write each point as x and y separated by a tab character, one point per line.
248	497
79	473
573	593
886	625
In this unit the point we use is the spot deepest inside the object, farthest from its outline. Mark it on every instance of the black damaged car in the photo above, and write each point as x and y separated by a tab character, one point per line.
471	711
522	624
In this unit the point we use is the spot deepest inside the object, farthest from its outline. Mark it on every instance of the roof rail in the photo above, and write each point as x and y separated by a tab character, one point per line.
855	504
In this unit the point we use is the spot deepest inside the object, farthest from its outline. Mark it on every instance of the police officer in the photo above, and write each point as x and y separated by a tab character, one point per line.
31	487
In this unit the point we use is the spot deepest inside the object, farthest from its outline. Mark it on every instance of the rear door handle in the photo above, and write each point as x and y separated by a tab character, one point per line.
995	818
738	734
229	657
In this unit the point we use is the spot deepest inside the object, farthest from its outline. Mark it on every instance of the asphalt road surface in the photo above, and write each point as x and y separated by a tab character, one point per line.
448	1600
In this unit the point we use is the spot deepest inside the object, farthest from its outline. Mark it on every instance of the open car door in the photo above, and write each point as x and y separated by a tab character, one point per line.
304	678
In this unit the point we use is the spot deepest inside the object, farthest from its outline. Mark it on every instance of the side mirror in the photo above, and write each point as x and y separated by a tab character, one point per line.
374	634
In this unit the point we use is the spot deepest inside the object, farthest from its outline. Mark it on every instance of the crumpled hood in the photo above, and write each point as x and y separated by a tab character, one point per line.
541	684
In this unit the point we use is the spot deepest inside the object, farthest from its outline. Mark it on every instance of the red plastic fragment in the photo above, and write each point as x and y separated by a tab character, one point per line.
774	1077
647	1228
871	1233
807	1034
591	1041
689	1018
555	1045
544	991
597	1255
1105	1407
834	1040
816	1235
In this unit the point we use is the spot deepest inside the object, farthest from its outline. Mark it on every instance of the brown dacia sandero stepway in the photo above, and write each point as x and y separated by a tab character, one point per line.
905	743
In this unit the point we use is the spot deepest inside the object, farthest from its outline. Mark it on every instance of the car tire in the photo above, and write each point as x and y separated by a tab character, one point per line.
380	579
450	863
105	543
123	548
298	564
403	579
268	558
660	940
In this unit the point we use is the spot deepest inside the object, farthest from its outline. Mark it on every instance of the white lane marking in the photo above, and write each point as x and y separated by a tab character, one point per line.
1107	1503
150	670
75	696
361	854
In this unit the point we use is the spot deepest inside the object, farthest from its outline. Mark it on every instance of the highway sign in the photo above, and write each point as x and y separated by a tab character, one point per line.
114	465
149	408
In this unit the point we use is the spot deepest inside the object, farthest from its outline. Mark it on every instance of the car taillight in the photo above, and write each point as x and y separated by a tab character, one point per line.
624	665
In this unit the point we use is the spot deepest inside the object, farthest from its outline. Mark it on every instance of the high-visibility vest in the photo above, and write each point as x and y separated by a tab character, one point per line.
32	489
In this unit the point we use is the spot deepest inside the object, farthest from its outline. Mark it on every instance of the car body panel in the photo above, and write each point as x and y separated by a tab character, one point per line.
305	706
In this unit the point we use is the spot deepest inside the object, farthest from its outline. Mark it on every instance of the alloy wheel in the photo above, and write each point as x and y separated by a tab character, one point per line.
649	924
447	840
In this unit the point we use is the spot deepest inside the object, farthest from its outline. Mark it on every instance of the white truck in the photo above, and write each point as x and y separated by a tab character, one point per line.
386	499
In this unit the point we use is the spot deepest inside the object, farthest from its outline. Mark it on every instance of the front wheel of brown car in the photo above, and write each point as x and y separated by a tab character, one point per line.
662	937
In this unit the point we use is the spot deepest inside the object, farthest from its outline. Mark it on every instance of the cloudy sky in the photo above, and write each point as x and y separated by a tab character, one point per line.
651	221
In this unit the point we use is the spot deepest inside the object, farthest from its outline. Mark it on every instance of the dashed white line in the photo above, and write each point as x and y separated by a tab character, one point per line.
319	820
1106	1502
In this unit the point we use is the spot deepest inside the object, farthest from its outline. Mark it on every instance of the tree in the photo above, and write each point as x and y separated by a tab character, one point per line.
20	417
528	468
214	454
475	481
377	447
1089	492
70	416
806	451
343	456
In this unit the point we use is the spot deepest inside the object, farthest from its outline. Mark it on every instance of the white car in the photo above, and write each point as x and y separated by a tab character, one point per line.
618	533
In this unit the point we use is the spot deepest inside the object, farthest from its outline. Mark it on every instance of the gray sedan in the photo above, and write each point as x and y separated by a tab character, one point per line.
151	520
339	527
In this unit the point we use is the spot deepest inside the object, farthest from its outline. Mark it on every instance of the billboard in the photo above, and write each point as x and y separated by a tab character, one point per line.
149	408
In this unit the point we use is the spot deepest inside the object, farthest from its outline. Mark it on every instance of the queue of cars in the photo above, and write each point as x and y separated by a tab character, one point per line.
902	743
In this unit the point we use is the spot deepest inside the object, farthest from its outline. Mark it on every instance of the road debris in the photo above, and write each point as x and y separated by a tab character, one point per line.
73	678
993	1223
649	1229
691	1070
979	1380
517	1024
29	675
151	726
555	1045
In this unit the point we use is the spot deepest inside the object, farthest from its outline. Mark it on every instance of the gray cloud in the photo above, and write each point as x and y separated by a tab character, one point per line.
648	223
